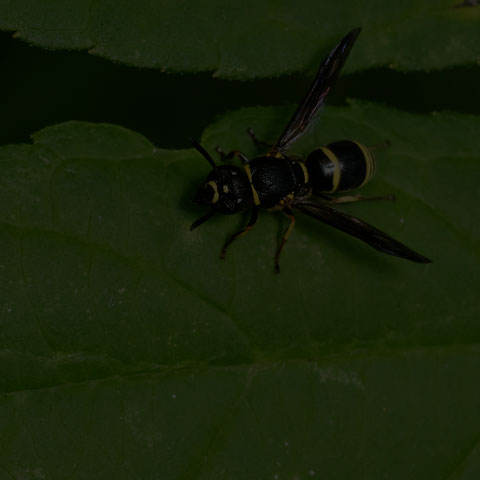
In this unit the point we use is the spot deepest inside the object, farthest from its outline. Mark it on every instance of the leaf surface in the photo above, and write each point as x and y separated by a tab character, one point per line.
251	39
128	349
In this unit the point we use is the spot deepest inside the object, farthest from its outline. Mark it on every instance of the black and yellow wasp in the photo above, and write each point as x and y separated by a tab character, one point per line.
278	181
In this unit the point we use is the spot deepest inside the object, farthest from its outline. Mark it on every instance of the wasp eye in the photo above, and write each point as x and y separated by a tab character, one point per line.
207	194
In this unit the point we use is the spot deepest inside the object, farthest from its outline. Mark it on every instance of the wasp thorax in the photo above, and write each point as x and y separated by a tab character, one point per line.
207	194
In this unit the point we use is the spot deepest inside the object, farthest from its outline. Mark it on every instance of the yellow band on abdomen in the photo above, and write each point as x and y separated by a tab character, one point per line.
336	168
305	172
369	162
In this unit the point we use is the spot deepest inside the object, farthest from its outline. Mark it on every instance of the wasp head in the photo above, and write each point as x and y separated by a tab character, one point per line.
226	189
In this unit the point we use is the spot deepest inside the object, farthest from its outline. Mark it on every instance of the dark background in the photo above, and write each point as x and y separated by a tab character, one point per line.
79	86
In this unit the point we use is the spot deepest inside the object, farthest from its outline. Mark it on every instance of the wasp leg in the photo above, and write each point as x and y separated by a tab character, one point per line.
358	198
251	223
289	229
256	141
380	146
230	155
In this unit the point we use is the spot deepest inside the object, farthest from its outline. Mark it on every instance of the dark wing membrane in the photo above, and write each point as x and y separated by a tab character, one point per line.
326	77
360	229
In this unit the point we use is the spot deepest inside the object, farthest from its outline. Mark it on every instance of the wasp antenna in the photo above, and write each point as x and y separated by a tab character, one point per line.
203	219
203	152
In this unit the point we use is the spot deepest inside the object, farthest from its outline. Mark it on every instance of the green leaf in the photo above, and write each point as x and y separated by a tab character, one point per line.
128	349
251	39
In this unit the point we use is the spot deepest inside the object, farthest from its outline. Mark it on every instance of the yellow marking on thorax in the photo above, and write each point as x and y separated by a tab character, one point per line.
275	154
216	195
256	200
369	162
288	199
336	168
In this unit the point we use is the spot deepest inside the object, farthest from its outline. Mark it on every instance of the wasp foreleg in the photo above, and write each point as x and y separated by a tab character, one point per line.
256	141
286	211
250	224
231	155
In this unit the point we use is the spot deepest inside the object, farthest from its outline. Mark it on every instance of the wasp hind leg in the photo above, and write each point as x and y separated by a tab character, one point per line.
380	146
289	214
357	198
244	231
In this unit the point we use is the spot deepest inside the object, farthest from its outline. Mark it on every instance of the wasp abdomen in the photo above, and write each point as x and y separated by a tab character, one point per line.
340	166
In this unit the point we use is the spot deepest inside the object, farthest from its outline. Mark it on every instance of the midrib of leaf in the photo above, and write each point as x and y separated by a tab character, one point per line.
348	354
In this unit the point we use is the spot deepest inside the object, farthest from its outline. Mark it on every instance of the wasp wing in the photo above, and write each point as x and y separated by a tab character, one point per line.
326	77
360	229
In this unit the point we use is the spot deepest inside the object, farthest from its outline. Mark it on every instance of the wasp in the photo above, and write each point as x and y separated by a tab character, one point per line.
278	181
